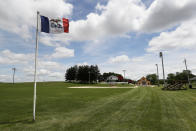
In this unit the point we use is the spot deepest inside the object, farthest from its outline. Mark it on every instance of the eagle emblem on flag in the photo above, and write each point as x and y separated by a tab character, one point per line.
56	25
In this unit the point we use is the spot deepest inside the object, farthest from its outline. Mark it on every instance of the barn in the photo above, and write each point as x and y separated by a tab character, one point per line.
143	82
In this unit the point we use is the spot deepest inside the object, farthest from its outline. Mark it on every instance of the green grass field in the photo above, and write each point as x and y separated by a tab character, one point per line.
61	108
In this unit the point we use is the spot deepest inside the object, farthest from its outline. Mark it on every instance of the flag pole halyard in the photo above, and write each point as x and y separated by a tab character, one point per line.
35	73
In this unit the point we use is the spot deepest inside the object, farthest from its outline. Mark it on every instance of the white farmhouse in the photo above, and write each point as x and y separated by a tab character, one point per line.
112	78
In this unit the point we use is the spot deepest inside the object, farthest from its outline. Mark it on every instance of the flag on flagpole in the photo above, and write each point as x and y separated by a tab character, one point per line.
50	25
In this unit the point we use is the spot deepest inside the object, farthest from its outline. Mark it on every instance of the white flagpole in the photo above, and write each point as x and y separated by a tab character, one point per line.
35	73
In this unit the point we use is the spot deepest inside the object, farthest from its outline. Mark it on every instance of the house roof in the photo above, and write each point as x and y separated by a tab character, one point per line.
143	78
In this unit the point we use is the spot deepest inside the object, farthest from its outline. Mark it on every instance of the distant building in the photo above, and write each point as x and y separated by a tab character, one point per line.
193	79
112	78
131	81
120	78
143	82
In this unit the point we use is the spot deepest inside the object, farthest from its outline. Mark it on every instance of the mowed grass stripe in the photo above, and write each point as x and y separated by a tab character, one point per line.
91	116
62	108
180	110
128	115
112	112
149	111
51	101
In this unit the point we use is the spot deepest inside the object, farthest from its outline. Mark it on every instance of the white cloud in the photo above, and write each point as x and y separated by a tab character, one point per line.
55	40
81	64
163	14
19	16
116	18
181	38
134	68
8	57
138	59
4	78
62	52
43	74
119	17
56	75
145	64
119	59
24	64
95	47
50	65
100	7
48	40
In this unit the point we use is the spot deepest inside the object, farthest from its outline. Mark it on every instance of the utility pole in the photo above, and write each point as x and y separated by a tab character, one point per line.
14	70
157	73
187	72
161	56
89	77
124	73
97	76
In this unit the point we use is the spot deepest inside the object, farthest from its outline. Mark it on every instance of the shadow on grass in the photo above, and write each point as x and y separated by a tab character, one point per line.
26	121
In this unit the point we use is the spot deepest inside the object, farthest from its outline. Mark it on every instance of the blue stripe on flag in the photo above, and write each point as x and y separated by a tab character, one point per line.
44	24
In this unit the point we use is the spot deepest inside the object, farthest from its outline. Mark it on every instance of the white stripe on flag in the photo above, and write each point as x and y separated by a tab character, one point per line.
56	26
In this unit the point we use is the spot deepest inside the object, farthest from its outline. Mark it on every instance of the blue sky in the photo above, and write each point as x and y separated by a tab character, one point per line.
113	34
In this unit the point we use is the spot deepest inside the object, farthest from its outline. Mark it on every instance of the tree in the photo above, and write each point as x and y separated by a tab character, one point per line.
179	77
152	78
171	78
71	73
183	76
94	73
81	73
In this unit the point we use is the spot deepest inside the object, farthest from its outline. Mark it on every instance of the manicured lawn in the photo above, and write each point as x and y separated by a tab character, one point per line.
62	108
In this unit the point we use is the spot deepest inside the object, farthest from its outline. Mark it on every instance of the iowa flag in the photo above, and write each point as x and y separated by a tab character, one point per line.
55	26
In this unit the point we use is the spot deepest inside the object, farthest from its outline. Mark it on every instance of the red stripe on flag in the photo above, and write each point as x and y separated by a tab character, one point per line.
66	25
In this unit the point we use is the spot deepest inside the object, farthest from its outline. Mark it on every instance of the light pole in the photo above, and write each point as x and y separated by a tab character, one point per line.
97	76
14	70
157	73
187	72
161	56
124	73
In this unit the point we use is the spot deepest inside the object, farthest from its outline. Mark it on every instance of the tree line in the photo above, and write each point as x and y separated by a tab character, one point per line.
83	73
91	73
172	78
86	74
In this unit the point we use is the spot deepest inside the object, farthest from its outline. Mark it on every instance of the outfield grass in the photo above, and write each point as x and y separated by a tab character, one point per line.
62	108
